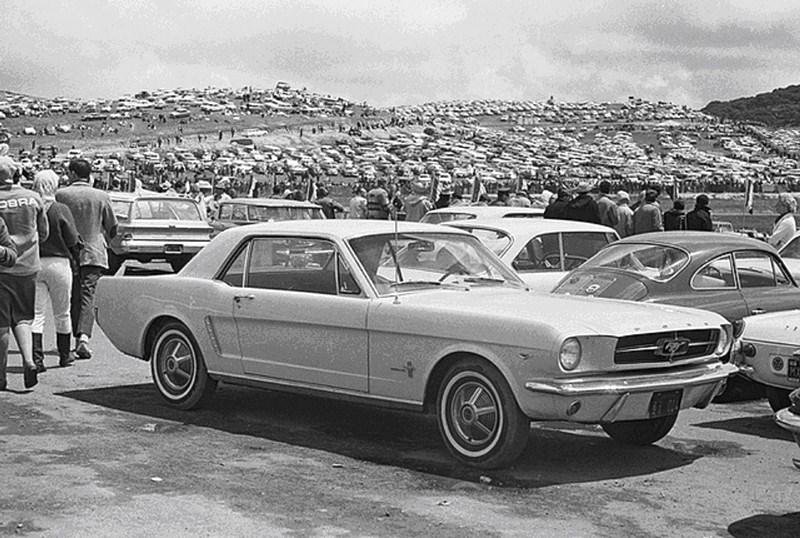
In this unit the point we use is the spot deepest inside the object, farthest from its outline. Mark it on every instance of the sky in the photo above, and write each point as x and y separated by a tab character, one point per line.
405	51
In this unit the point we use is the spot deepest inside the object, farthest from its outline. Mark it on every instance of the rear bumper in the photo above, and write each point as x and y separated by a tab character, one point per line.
618	397
158	248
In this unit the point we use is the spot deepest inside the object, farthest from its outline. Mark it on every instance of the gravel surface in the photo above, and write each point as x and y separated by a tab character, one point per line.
93	451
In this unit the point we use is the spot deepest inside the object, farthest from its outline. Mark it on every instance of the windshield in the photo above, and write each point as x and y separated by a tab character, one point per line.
266	214
655	262
437	218
496	240
122	208
429	259
166	209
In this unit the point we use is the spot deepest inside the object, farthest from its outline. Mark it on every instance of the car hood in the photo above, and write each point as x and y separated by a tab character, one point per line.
577	315
777	327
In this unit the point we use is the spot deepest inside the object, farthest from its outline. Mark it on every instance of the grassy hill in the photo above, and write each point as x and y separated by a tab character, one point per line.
778	108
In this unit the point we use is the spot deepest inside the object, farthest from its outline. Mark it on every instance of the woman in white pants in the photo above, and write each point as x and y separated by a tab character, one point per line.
54	281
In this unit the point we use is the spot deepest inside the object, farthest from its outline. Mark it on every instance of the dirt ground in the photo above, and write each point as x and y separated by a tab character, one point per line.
93	451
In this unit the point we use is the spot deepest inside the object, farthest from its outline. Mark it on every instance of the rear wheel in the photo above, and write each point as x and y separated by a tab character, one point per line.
479	419
640	432
778	398
178	368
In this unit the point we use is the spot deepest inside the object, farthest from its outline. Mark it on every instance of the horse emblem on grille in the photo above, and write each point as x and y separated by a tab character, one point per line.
672	347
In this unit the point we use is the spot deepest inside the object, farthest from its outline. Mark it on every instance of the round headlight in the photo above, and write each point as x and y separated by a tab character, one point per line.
723	344
570	354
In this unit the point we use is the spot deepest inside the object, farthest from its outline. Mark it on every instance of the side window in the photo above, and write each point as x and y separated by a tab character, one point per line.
580	246
716	274
542	253
225	211
781	278
234	275
347	284
293	264
755	269
239	212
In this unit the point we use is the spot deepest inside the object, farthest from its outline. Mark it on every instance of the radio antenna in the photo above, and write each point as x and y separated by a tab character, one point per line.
396	259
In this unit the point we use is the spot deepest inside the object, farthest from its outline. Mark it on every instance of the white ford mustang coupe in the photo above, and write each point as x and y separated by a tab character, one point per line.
414	316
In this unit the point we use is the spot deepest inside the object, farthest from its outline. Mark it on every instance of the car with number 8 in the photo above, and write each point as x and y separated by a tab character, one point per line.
418	317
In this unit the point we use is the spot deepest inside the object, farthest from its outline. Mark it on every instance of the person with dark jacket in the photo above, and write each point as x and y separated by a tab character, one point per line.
557	209
675	218
583	207
58	254
699	218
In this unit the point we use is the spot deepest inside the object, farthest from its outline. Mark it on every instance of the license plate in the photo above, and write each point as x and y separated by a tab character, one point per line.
173	249
794	369
665	403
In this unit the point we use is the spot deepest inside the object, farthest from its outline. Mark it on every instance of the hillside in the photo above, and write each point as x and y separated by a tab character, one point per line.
778	108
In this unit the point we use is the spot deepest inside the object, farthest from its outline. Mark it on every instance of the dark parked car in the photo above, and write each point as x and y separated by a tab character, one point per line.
731	275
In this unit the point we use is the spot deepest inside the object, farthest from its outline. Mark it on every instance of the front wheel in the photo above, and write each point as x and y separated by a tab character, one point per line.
479	419
178	368
640	432
778	398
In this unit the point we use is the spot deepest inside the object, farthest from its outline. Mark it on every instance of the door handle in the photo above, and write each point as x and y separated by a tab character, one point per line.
757	311
248	297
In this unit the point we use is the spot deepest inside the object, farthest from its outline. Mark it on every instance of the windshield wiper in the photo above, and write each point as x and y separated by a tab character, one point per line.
484	279
402	283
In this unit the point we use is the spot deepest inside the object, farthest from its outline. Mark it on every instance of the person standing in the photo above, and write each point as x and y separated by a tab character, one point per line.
55	279
699	218
24	215
378	206
557	208
583	207
358	204
8	250
606	206
417	203
675	218
647	217
503	195
520	199
330	207
785	225
624	225
94	220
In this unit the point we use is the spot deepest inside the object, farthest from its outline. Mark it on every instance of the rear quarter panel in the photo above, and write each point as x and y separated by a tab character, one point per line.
127	307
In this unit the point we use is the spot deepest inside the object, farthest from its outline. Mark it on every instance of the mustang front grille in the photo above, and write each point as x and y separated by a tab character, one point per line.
669	346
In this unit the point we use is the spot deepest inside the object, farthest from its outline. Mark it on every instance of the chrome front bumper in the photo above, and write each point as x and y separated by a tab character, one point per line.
619	396
620	384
